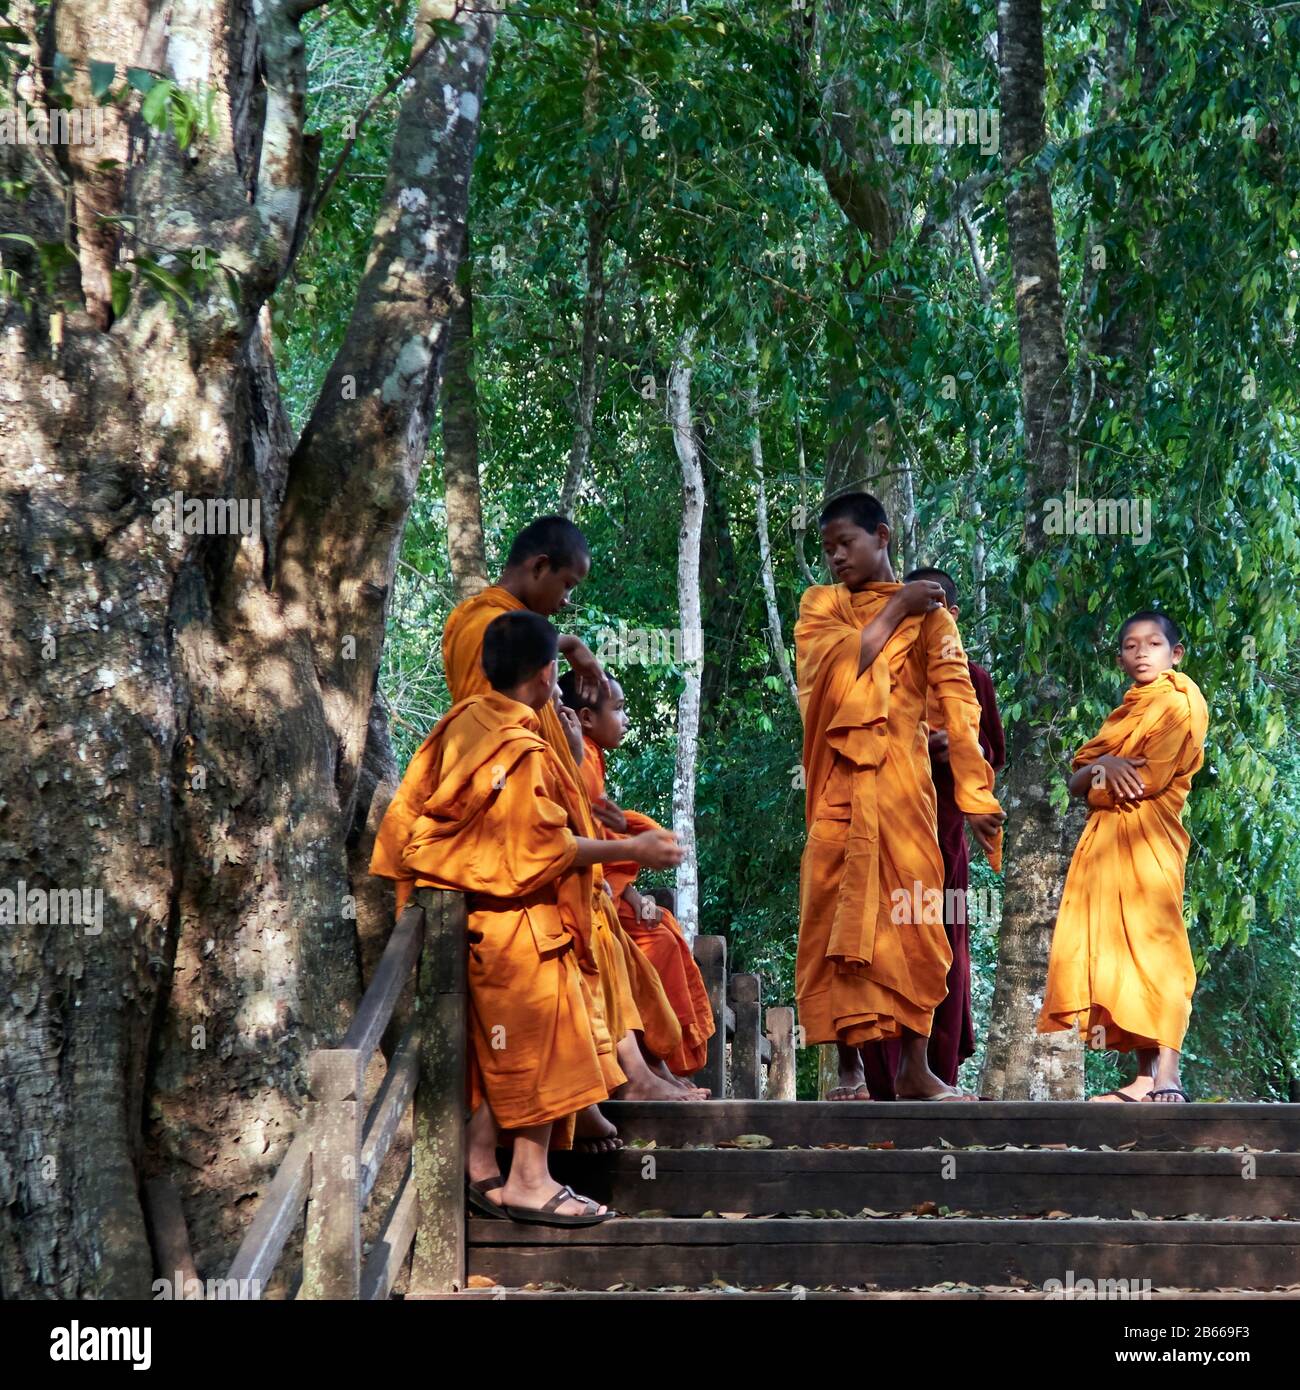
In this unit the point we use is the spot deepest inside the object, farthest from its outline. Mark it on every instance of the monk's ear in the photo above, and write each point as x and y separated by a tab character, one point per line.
587	717
1179	652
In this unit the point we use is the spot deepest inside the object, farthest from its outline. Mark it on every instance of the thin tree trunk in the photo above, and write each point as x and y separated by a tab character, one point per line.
466	552
599	200
764	541
688	602
1020	1062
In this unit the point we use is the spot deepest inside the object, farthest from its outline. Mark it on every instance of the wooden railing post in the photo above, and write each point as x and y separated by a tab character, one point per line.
746	1056
438	1157
711	957
781	1069
331	1253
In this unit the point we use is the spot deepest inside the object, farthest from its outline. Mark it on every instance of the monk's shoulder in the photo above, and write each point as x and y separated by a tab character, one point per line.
817	600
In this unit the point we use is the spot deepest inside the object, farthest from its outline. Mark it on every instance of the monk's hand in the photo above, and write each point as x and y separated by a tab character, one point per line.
939	745
1119	776
593	684
572	730
656	849
985	828
609	815
920	596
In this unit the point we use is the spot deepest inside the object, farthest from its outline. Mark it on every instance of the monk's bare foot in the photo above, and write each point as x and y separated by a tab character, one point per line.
593	1133
925	1085
533	1197
858	1092
683	1084
650	1087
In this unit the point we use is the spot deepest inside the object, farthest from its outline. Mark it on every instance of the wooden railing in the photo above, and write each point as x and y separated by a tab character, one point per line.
736	1001
329	1172
328	1175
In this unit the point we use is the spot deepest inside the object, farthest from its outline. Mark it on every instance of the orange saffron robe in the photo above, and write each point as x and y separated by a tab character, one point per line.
873	953
1120	957
630	995
481	810
663	944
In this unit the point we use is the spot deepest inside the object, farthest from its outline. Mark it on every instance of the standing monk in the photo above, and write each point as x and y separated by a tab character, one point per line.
485	808
1121	969
548	559
873	954
953	1037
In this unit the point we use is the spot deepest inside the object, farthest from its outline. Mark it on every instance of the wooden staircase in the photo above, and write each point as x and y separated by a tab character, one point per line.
789	1197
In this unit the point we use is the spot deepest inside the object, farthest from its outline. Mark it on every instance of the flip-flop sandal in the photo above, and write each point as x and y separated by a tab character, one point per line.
547	1215
476	1196
930	1100
1168	1091
1119	1095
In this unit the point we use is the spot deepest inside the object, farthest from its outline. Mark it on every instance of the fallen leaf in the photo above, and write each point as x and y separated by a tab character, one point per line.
480	1281
753	1141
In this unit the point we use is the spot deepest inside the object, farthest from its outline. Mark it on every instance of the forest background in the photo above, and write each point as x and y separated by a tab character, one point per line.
725	189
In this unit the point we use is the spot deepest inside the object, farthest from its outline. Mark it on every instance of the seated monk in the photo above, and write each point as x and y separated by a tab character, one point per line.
486	809
873	955
1121	969
654	929
546	562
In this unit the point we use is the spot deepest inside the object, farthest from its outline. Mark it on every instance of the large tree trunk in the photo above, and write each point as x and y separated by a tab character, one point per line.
466	552
188	722
1020	1062
688	602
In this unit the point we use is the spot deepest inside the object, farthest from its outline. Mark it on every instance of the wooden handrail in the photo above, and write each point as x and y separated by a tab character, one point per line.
333	1163
736	1001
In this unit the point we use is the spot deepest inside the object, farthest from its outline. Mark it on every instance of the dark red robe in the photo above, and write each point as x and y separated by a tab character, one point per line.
952	1038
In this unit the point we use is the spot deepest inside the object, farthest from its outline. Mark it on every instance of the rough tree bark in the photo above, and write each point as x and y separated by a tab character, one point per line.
466	551
688	602
764	540
1021	1063
187	720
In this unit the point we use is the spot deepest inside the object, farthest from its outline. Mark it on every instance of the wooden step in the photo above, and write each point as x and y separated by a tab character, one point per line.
887	1253
690	1182
912	1125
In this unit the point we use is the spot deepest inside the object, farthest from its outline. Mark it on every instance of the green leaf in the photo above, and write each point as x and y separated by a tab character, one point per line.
101	77
141	79
120	291
155	105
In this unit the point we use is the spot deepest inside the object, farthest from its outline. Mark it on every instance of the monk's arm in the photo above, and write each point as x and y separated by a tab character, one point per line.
591	675
656	849
878	631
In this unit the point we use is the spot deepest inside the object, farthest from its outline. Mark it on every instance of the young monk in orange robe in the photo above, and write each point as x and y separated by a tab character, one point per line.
485	809
546	562
654	929
873	954
1121	969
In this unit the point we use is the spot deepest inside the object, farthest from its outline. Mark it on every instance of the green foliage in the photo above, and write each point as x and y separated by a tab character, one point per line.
704	142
